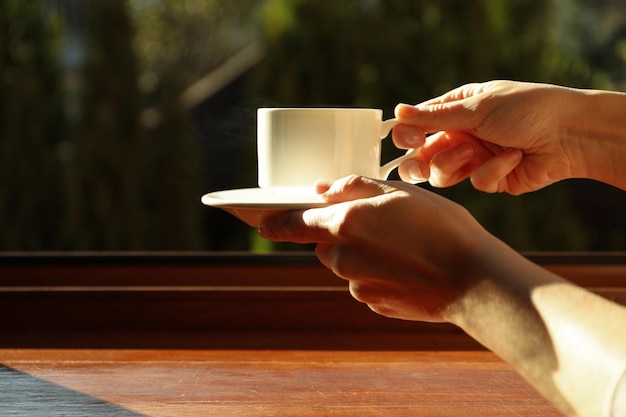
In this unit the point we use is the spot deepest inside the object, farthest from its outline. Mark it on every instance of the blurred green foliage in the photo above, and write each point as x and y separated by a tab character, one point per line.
107	157
31	126
79	171
378	53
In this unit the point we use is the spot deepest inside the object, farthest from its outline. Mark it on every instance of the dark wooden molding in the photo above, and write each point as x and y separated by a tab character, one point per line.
222	293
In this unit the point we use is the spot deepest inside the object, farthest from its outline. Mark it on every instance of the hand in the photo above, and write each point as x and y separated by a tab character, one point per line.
411	254
505	136
405	251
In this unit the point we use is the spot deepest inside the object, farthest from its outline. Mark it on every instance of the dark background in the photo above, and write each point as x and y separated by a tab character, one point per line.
116	116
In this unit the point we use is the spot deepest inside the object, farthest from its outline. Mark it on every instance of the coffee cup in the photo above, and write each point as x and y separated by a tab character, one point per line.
297	146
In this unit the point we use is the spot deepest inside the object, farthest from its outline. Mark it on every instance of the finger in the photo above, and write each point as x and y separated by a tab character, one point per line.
451	166
417	169
491	176
442	141
347	262
321	186
414	171
354	187
322	251
445	153
408	136
435	116
375	297
308	226
378	281
321	224
354	263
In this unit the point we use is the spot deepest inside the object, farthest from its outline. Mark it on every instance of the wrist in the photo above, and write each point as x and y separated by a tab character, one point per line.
499	313
595	137
481	276
495	302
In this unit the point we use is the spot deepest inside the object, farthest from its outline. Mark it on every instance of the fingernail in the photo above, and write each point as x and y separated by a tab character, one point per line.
406	111
414	140
402	108
415	171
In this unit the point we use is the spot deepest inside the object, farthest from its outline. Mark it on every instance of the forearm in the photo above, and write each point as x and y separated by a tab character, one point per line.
597	135
565	341
587	333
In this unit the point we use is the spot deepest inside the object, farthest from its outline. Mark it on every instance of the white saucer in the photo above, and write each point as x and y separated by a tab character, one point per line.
251	205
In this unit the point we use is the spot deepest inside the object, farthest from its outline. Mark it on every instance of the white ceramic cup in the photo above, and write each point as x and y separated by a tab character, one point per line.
297	146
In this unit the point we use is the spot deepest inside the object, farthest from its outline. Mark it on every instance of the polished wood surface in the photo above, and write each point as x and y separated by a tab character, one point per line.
249	382
241	335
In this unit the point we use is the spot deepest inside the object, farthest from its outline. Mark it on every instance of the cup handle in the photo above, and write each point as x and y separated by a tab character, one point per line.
386	169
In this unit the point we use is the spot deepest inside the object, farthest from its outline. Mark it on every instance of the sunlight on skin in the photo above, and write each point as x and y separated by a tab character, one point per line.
585	329
441	265
557	144
565	341
568	343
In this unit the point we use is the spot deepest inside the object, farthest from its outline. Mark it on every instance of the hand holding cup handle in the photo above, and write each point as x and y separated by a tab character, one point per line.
386	169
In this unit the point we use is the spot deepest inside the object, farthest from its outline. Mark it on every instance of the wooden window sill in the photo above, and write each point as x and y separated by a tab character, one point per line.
240	335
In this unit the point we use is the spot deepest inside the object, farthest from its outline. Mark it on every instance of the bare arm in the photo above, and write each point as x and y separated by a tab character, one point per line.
411	254
515	137
601	129
568	343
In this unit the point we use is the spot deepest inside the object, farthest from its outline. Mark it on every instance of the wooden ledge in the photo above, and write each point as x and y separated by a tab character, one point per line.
135	335
217	293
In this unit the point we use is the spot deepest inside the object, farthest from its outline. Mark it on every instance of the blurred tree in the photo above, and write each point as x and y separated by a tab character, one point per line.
94	178
122	164
31	127
127	187
377	53
179	44
593	34
188	39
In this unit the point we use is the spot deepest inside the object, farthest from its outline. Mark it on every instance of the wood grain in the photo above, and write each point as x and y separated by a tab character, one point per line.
161	383
130	335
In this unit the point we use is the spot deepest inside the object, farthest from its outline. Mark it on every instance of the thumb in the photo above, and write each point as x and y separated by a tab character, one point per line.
353	187
319	224
455	110
435	117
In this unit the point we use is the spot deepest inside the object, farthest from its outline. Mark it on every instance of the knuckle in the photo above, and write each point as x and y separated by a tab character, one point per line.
437	177
362	293
349	221
483	184
350	183
382	310
341	262
359	292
